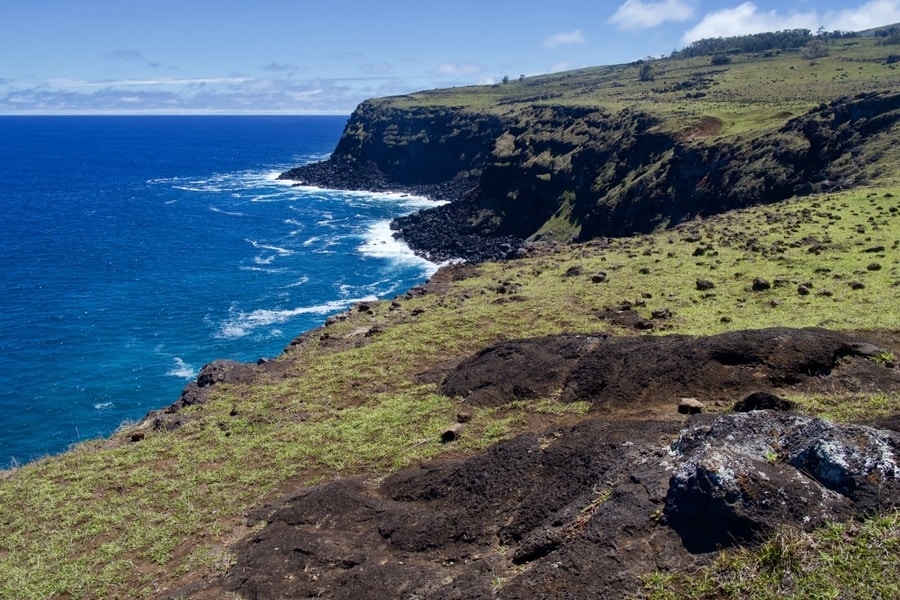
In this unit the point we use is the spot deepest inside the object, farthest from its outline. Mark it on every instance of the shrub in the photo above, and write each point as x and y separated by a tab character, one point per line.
815	49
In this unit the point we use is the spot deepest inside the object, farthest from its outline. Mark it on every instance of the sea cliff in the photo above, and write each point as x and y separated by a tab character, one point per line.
568	173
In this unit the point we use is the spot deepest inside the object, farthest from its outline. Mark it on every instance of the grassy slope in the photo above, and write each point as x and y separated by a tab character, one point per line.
753	92
113	518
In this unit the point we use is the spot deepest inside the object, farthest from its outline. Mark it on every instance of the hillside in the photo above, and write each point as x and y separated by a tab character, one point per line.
512	428
614	151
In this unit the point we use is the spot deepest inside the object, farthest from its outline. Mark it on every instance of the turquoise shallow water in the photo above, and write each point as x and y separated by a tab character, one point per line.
136	249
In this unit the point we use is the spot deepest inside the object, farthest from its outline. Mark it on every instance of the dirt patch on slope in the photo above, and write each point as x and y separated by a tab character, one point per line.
644	371
706	127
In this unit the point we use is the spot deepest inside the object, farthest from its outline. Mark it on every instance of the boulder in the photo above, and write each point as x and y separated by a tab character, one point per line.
762	401
742	475
760	285
690	406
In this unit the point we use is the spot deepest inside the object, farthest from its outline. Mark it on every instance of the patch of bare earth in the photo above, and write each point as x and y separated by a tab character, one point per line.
706	127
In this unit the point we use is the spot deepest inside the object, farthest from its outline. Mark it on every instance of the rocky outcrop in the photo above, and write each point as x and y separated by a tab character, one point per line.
741	476
613	372
571	173
197	392
438	152
572	512
586	510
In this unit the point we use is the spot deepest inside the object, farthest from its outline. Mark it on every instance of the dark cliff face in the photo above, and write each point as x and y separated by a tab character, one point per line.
575	173
617	174
418	145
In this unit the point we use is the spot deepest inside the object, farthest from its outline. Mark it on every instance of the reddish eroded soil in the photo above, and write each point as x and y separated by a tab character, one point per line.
706	127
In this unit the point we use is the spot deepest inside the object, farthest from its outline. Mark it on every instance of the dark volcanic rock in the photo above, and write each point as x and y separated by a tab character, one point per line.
517	370
622	371
619	174
572	512
760	285
454	529
197	392
762	401
744	474
631	370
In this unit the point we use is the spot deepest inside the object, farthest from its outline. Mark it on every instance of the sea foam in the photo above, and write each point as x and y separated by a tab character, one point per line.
242	324
182	370
379	242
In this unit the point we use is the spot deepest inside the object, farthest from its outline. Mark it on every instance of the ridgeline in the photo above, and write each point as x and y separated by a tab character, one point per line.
667	369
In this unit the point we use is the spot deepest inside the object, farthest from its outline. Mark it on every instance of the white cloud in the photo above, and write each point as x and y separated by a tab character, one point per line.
127	83
869	15
638	14
194	96
564	38
746	18
457	69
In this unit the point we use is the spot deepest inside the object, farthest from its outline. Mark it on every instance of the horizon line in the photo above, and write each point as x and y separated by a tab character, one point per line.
151	113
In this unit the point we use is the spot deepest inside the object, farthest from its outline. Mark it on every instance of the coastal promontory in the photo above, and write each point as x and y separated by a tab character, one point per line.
665	367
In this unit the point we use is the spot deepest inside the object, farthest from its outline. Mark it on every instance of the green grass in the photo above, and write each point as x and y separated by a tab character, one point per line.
856	560
752	94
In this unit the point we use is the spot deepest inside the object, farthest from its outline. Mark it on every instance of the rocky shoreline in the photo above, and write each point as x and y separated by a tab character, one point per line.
441	233
531	176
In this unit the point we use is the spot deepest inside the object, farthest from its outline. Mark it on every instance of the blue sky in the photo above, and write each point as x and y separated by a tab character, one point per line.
280	56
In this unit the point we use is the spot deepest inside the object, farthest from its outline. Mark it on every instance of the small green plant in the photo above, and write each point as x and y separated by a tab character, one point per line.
885	358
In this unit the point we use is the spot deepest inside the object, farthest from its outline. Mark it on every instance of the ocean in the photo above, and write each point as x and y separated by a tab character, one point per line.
134	250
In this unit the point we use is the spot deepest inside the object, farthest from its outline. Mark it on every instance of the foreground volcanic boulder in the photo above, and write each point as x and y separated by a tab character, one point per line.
744	474
575	512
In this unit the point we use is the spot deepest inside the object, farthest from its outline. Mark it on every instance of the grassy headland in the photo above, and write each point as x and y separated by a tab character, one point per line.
150	510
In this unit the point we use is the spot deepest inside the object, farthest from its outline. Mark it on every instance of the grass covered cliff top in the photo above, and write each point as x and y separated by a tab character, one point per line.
743	90
155	509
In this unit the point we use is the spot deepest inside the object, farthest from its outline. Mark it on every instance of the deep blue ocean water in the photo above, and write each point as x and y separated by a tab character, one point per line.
134	250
